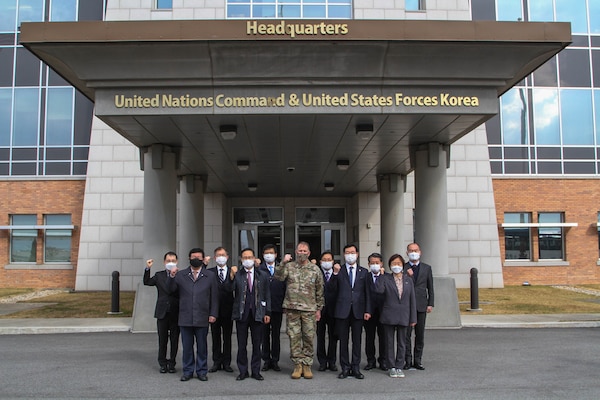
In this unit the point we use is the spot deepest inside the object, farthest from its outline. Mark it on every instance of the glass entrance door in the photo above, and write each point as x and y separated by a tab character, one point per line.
324	229
256	227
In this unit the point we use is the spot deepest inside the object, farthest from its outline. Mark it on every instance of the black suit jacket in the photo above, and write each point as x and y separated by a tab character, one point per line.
225	296
168	299
397	310
277	289
329	295
377	299
348	299
423	286
197	300
262	294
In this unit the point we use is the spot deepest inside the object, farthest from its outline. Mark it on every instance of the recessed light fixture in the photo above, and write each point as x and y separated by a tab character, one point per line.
243	165
329	186
364	131
252	187
343	165
228	132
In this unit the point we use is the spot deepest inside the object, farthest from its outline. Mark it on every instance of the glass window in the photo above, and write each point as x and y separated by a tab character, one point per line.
25	114
164	4
27	71
6	66
546	75
574	67
5	113
596	67
59	116
576	116
598	225
551	238
414	5
597	114
515	127
63	10
321	215
517	241
541	10
257	216
8	15
594	16
57	242
339	9
23	242
545	116
573	11
509	10
31	11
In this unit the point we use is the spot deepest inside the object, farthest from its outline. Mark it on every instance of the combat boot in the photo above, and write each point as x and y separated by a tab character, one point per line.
297	371
306	371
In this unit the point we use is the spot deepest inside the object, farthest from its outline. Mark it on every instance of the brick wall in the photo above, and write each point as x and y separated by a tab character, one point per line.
579	199
40	197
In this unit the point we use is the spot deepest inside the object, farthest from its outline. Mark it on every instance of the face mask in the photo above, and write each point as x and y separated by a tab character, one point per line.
248	264
326	265
269	257
396	269
301	257
350	258
196	262
221	260
375	268
414	256
170	266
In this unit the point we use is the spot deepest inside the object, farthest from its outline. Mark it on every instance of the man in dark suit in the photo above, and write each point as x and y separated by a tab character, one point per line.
423	282
198	306
251	309
326	332
166	312
221	330
374	327
271	347
352	307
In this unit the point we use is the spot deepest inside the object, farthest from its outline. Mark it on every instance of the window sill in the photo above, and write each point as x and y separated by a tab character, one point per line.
540	263
38	266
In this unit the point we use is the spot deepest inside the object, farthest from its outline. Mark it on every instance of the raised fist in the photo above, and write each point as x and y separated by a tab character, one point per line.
287	258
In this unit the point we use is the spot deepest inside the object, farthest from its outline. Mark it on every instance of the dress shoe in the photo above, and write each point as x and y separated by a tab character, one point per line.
185	378
258	377
172	369
227	368
322	367
420	367
333	368
343	375
266	366
203	378
241	377
163	369
406	367
214	368
358	375
275	366
369	367
383	367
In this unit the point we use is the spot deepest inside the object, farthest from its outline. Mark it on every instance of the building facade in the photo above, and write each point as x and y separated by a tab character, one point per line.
520	189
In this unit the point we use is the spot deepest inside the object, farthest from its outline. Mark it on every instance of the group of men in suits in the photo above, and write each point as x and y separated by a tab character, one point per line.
191	300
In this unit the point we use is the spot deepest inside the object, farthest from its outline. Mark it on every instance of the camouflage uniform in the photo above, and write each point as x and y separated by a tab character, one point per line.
303	297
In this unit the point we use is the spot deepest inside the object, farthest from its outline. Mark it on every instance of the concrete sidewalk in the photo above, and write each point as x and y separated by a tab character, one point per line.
10	326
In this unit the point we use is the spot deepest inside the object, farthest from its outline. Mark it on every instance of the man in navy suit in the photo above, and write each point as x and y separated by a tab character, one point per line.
326	332
353	306
271	347
166	312
221	330
423	282
373	327
198	306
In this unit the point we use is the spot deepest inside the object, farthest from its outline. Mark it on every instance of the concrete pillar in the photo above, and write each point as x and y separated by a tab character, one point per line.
391	200
431	228
159	164
191	215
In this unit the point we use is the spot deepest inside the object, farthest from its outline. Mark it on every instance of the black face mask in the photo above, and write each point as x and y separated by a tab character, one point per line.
196	263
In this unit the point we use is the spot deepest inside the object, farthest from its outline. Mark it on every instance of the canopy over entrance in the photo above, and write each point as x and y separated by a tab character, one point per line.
294	106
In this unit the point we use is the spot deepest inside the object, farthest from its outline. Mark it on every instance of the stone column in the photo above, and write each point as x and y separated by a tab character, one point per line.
159	164
191	215
431	228
391	199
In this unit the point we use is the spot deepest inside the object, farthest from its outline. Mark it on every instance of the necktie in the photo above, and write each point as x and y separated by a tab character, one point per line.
351	276
250	281
221	275
327	276
271	270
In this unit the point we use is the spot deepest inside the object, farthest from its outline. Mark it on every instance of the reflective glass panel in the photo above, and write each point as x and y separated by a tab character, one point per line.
550	238
597	113
26	118
573	11
509	10
238	11
515	128
8	15
5	113
57	243
164	4
320	215
413	5
316	11
339	11
23	242
31	11
517	241
59	116
576	116
288	11
263	11
545	116
594	15
63	10
574	67
541	10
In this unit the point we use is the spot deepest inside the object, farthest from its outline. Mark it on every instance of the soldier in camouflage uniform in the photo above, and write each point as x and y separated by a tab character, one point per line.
302	304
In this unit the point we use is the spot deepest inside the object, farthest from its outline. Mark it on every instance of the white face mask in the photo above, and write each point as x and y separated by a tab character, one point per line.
221	260
170	266
396	269
375	268
326	265
414	256
269	257
350	258
248	264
